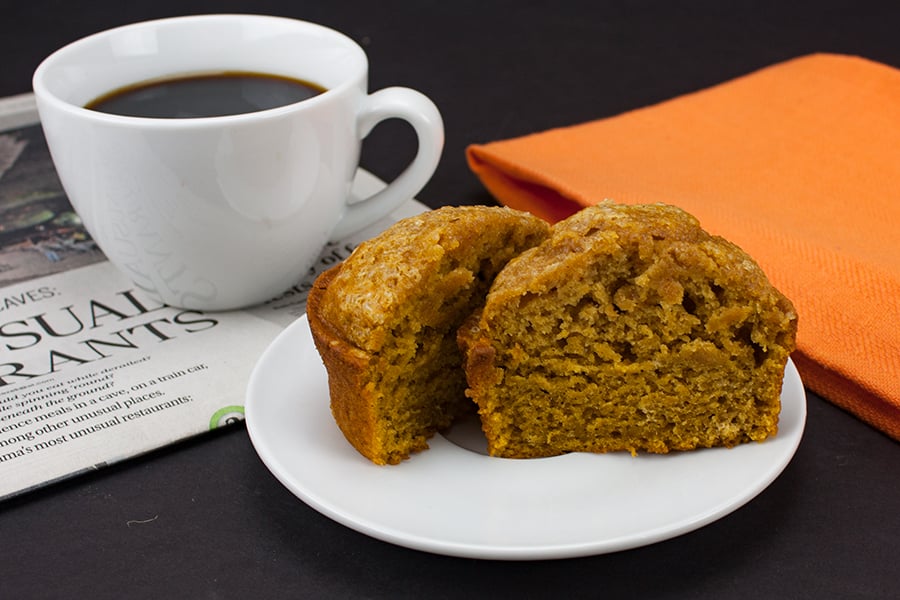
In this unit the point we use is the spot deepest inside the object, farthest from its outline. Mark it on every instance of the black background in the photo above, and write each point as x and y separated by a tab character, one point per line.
220	526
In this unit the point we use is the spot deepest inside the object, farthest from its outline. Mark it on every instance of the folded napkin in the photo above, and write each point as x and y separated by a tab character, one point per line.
798	163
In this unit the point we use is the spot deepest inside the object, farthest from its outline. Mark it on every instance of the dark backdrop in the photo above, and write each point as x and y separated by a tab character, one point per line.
219	526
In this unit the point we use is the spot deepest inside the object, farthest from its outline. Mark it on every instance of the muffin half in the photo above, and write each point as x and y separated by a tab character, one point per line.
385	320
629	328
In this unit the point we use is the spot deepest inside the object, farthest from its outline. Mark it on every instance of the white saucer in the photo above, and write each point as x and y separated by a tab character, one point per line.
454	501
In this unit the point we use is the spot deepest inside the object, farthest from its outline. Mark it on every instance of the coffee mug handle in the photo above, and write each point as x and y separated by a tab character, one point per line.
420	112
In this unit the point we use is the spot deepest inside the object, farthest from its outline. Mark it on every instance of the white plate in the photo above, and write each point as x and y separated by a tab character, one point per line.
459	502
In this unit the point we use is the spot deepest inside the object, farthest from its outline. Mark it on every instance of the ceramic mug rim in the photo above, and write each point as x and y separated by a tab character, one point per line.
43	88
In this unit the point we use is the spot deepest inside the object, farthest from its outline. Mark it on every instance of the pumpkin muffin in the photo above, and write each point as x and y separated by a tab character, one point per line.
629	328
385	320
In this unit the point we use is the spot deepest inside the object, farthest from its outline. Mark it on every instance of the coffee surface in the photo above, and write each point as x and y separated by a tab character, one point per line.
205	95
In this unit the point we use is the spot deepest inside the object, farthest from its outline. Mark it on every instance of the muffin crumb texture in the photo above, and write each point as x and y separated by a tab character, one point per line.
630	328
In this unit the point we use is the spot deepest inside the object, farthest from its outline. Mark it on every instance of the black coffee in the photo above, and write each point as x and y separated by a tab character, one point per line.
206	95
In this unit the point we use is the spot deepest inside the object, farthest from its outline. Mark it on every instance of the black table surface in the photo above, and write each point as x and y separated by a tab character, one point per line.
205	519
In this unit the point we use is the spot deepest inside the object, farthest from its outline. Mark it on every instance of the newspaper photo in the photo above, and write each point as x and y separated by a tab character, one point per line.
92	371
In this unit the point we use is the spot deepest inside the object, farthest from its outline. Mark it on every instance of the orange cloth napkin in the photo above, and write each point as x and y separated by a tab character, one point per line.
798	163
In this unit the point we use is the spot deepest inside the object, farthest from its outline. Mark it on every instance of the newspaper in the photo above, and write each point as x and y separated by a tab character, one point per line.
92	371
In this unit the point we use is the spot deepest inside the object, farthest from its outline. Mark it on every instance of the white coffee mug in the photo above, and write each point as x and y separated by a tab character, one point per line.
218	213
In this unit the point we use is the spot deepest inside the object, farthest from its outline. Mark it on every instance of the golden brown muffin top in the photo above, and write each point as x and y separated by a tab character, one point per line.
395	267
661	234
